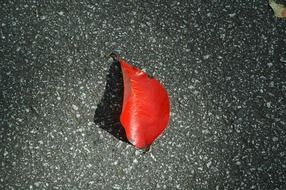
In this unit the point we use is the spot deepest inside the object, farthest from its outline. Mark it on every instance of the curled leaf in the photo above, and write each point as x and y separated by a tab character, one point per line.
278	9
146	107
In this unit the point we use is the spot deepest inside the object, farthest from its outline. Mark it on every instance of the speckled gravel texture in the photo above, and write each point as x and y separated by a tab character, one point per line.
222	62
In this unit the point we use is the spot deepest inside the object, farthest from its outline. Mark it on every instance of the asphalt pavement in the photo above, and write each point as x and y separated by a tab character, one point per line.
223	64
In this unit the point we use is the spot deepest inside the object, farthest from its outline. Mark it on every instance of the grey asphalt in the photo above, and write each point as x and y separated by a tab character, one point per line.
223	64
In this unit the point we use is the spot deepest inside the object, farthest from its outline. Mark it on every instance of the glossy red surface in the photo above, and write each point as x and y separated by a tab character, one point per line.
146	107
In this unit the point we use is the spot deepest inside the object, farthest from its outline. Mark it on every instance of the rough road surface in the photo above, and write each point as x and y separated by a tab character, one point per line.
222	62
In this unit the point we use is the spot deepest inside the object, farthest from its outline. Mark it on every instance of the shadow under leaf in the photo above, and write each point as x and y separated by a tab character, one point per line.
107	114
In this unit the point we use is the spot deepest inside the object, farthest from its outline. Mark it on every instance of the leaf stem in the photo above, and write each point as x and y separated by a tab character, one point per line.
113	55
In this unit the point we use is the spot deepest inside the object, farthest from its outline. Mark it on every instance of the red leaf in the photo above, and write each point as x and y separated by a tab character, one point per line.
146	107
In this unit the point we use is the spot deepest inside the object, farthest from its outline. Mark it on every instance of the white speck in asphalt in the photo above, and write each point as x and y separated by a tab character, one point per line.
70	60
268	104
19	119
43	17
77	115
205	131
74	107
232	14
116	186
83	95
137	152
209	164
115	163
37	184
206	56
91	182
86	149
153	157
135	161
282	59
269	64
275	139
40	142
61	13
196	92
5	153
